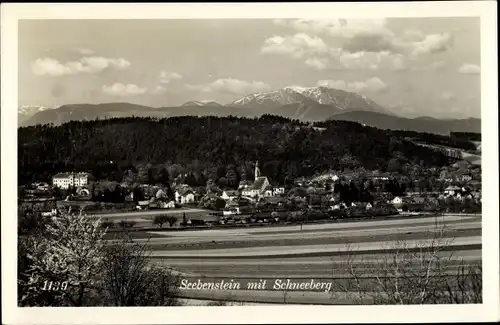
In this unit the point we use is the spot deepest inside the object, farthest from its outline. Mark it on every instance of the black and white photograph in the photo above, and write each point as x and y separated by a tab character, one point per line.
332	160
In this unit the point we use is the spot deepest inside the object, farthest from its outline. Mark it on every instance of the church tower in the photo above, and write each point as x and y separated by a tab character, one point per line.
257	170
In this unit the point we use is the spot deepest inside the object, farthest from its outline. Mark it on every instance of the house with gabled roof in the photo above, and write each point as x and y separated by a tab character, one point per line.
257	188
142	204
452	190
397	200
244	184
229	195
338	206
362	205
184	195
268	191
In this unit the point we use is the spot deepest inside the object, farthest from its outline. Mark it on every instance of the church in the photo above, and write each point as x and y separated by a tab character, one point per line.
259	186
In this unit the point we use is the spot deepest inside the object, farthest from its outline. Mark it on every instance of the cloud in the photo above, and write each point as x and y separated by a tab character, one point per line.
361	44
337	84
296	46
469	69
94	64
447	95
367	60
373	35
358	35
119	89
299	46
371	85
413	35
158	90
232	86
167	77
370	43
164	79
316	54
83	51
344	28
375	85
430	44
317	63
398	63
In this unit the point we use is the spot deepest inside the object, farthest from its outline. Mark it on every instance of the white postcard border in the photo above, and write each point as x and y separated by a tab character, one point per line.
488	311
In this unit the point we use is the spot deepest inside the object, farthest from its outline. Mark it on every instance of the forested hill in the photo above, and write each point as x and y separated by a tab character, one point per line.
218	148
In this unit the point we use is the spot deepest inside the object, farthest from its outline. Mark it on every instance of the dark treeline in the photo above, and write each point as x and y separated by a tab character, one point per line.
218	148
470	136
456	140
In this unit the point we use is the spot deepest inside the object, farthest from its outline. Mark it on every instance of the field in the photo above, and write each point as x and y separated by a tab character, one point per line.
144	219
318	251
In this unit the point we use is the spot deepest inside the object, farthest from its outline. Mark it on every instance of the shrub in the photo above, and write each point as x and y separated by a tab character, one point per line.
172	220
160	220
124	224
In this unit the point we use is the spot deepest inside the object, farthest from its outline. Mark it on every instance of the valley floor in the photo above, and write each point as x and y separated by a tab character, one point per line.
319	252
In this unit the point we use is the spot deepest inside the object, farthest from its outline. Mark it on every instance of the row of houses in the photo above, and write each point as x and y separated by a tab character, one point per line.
153	203
259	189
330	201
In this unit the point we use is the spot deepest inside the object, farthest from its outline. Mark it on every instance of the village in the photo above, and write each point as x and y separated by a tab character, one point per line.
333	195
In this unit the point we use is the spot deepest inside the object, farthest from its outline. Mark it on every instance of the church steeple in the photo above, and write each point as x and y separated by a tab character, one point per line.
257	170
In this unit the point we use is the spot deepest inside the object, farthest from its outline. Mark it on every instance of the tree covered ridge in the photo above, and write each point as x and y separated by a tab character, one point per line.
285	148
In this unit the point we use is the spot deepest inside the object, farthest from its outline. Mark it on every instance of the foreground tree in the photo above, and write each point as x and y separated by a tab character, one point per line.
67	263
424	273
129	279
70	253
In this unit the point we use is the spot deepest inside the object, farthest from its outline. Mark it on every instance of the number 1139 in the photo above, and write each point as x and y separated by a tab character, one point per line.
54	285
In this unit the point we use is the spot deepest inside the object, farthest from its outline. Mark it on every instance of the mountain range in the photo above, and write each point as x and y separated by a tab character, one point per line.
25	112
304	103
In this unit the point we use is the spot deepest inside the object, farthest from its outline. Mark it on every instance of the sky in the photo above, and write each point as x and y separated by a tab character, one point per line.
412	66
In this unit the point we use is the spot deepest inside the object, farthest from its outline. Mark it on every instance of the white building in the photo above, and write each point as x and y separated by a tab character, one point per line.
273	191
41	186
184	195
51	213
231	211
66	180
397	200
261	187
169	205
229	195
278	190
451	190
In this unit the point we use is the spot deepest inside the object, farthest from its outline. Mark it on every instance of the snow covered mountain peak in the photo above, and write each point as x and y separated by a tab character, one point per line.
283	96
26	111
321	95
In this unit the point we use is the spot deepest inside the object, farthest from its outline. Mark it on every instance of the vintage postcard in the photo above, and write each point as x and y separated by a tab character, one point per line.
283	162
